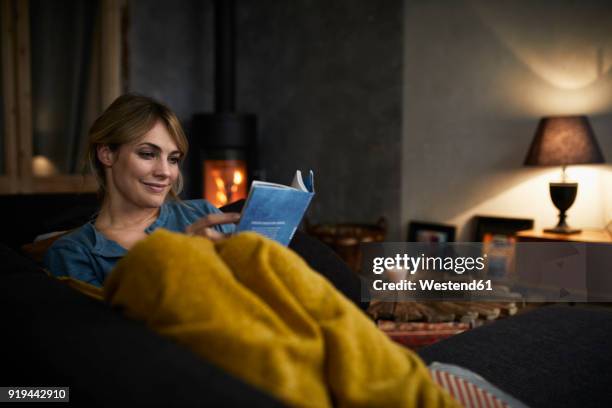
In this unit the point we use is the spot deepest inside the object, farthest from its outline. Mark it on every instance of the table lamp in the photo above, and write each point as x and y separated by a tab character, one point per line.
563	141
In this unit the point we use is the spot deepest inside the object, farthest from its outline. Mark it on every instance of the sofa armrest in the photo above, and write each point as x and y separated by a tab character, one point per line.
56	336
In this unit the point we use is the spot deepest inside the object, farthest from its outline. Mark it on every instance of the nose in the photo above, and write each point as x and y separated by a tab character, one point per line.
162	168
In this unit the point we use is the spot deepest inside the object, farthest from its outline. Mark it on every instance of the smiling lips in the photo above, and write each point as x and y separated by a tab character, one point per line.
155	187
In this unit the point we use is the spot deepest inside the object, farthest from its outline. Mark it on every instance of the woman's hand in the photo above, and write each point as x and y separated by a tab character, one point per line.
203	226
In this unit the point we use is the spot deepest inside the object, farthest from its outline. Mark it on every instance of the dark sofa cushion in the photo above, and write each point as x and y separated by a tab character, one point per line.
55	336
24	216
324	260
554	356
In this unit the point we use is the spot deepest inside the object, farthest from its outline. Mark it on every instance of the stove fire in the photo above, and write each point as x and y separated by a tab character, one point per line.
225	181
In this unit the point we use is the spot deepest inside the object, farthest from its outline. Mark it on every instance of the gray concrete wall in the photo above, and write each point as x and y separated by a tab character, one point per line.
477	77
170	53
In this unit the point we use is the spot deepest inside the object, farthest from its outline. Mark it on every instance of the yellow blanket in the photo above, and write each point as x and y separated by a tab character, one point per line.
254	308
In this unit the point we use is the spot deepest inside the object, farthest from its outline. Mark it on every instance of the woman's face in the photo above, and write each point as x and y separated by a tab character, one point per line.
143	172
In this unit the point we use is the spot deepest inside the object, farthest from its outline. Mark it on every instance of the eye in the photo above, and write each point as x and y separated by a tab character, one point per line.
146	155
174	160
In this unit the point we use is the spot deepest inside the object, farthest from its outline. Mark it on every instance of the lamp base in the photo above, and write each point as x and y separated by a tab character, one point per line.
563	196
563	230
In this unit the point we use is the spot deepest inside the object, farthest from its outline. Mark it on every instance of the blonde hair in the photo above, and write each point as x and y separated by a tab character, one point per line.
126	120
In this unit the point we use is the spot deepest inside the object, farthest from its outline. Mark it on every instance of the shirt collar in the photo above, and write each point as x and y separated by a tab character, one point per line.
160	221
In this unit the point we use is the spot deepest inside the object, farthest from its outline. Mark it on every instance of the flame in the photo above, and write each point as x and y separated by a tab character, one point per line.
237	177
219	183
221	197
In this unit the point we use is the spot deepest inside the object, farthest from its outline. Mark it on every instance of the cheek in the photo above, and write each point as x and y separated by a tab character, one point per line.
141	168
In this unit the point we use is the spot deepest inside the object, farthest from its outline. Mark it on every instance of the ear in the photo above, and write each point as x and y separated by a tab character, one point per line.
105	155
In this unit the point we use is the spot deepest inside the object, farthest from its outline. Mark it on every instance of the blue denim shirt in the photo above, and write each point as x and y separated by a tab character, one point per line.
87	255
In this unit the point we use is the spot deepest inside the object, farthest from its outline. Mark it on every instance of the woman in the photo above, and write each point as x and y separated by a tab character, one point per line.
135	148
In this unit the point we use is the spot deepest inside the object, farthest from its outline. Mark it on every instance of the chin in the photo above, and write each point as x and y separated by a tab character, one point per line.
157	202
153	201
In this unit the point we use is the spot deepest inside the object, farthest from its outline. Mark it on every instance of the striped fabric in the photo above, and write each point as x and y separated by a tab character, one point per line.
466	392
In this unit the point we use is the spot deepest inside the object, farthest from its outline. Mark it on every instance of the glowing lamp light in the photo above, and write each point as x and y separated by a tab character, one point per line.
43	167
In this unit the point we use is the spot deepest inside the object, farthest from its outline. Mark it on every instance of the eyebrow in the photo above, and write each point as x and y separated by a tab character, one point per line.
156	147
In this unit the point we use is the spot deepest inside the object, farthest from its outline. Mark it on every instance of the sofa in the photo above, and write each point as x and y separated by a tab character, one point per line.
56	336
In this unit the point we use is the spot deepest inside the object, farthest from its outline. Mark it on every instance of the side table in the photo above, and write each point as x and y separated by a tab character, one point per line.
600	235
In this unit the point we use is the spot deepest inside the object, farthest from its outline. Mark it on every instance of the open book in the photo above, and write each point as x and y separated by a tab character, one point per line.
275	210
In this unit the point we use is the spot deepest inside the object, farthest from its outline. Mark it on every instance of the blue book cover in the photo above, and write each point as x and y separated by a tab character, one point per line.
275	210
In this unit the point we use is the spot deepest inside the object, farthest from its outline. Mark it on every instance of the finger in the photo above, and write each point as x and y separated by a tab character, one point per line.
215	219
209	233
214	235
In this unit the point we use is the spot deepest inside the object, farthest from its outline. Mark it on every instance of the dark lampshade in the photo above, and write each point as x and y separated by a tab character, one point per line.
562	141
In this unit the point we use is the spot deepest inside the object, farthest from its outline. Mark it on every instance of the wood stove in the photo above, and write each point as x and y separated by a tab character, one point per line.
227	155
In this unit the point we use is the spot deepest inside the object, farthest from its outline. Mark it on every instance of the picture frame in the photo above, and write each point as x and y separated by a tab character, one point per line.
419	231
498	235
488	227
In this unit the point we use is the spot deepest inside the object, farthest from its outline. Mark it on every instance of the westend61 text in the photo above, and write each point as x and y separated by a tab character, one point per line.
430	284
428	263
